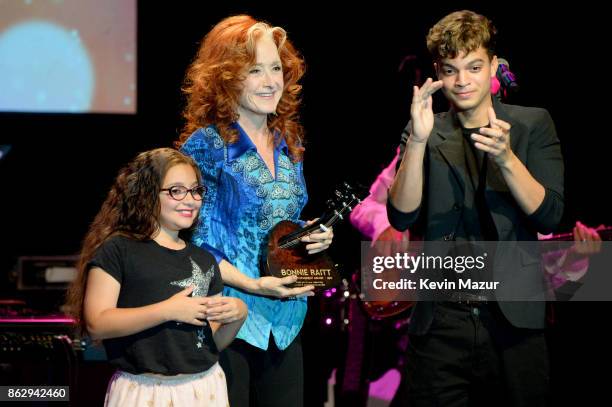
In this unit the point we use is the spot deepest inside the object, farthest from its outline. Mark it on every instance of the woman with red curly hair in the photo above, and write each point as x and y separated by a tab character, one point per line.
242	130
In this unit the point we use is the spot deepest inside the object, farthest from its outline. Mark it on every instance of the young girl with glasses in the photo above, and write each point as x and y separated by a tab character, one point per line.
153	298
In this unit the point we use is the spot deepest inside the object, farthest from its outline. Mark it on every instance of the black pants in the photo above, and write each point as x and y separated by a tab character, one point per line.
264	378
472	356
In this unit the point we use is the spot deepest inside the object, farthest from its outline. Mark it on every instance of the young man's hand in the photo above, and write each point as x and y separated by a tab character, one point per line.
421	110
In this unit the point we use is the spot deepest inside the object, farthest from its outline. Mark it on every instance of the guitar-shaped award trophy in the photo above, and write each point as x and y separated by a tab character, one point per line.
286	254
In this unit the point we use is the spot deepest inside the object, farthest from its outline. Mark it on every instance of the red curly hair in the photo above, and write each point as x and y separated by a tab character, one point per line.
213	82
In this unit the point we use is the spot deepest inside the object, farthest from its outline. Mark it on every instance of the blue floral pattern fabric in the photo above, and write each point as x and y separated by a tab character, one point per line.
244	201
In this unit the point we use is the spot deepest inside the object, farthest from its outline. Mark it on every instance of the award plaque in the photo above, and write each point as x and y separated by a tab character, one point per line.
284	260
286	254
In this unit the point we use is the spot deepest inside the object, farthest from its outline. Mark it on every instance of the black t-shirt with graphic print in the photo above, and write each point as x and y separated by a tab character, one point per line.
150	273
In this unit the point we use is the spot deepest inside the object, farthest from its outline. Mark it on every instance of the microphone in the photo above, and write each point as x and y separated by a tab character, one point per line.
505	77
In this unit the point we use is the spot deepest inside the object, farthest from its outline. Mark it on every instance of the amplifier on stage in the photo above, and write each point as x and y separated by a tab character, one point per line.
45	350
45	272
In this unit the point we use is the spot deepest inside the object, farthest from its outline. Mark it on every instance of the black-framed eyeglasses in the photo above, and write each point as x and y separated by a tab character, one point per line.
179	192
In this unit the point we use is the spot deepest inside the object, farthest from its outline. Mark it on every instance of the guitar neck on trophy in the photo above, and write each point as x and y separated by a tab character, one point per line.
287	255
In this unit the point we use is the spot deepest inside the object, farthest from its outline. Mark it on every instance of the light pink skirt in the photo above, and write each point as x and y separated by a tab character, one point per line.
201	389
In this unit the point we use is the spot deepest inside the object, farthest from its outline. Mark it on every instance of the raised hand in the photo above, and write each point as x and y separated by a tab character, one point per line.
421	110
495	140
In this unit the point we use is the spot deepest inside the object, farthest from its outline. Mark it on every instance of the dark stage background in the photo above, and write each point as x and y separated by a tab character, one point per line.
355	104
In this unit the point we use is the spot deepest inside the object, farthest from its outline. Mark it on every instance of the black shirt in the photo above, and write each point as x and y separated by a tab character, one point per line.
148	274
477	221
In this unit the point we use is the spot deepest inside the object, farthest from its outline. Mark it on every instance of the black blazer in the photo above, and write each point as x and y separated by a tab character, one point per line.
534	141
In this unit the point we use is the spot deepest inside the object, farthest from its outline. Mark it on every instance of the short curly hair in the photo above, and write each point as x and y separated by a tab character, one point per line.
461	31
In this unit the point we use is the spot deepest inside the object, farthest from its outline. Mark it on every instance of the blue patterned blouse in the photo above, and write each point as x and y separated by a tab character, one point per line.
244	201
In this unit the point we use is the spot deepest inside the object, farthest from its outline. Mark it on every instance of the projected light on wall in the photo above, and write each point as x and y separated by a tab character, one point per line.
44	68
68	56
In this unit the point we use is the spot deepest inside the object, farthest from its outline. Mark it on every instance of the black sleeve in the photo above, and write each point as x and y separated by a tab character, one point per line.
109	257
401	220
545	163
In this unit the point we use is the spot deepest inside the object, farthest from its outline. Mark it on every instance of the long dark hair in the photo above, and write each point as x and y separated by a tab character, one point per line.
131	209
